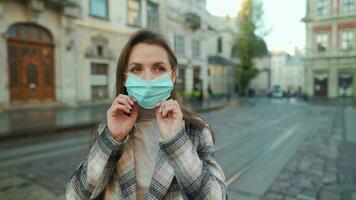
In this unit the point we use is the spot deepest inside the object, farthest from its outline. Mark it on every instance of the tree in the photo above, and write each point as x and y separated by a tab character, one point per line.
247	44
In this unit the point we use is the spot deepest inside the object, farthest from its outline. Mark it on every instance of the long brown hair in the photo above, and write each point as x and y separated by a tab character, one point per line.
153	38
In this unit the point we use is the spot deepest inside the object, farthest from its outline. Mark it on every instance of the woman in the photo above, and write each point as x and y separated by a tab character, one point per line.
150	146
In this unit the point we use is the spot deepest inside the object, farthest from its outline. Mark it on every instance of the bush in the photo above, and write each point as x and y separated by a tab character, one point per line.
196	93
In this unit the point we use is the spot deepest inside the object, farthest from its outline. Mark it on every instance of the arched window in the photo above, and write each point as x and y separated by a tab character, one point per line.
30	32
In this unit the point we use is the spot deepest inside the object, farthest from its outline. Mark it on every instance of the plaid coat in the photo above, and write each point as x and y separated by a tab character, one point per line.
186	169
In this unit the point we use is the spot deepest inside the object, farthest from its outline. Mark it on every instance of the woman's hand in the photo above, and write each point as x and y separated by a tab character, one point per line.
121	116
169	118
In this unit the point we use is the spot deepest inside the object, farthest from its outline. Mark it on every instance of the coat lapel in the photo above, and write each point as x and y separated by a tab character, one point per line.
162	178
125	169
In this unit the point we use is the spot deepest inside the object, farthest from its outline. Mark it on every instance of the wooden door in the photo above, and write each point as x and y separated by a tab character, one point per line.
321	86
31	64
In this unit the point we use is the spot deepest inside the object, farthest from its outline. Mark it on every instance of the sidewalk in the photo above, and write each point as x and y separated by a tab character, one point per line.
340	101
324	166
29	122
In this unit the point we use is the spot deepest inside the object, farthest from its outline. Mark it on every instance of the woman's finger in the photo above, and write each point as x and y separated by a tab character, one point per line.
166	103
120	107
158	104
125	102
129	99
169	108
162	104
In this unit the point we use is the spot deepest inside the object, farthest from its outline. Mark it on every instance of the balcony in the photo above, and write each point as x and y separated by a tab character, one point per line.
192	21
330	53
63	3
70	8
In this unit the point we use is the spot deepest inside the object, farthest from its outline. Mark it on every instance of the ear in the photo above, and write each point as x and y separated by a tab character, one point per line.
174	76
124	79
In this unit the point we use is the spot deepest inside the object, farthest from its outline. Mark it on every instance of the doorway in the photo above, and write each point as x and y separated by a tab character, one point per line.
321	85
31	63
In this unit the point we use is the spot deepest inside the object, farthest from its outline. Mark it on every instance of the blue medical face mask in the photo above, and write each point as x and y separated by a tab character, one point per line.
148	93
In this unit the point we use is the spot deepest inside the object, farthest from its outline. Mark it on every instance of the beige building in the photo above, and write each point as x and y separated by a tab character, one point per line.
278	61
65	52
56	52
330	60
184	25
293	74
222	32
262	83
35	41
287	71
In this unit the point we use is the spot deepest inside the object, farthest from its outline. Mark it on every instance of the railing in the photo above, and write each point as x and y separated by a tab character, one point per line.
192	20
330	53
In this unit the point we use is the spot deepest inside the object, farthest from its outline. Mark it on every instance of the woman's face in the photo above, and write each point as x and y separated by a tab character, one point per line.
148	62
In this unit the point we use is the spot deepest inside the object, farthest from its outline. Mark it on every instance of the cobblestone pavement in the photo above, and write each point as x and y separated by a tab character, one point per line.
267	149
324	167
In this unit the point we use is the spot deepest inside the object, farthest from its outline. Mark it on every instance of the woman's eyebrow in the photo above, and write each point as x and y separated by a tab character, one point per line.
135	63
159	62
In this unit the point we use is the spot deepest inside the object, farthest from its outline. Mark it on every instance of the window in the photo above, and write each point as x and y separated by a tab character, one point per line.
322	41
179	45
152	15
181	78
99	81
99	50
197	79
219	45
347	5
134	13
347	39
99	8
195	48
322	7
30	32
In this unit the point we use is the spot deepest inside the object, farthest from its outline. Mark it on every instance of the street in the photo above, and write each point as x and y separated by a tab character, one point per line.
269	149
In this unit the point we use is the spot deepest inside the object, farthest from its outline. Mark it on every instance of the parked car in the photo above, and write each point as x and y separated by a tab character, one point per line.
277	92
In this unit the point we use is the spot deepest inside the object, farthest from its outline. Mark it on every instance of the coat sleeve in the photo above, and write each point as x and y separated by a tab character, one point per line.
196	169
94	172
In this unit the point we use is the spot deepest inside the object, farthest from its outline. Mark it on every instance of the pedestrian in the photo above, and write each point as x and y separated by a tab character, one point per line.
150	146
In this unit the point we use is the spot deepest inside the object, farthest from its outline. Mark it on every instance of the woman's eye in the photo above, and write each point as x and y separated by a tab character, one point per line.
134	70
160	69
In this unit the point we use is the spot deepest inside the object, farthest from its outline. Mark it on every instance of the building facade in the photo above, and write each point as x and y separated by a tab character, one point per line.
293	74
184	25
262	83
330	60
33	45
222	32
65	52
278	61
287	71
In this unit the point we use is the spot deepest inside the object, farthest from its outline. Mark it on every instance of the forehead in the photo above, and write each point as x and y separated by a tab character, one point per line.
148	53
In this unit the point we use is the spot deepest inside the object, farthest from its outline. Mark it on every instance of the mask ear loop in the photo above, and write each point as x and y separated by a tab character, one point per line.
170	73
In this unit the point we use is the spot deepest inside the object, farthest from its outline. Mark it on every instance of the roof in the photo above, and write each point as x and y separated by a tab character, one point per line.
216	59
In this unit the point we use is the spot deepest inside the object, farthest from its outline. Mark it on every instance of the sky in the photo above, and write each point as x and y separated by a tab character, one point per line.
281	17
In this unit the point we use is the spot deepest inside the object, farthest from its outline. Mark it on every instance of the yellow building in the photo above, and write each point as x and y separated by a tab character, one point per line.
330	60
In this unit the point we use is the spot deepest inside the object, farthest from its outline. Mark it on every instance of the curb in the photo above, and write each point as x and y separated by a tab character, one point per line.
36	132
